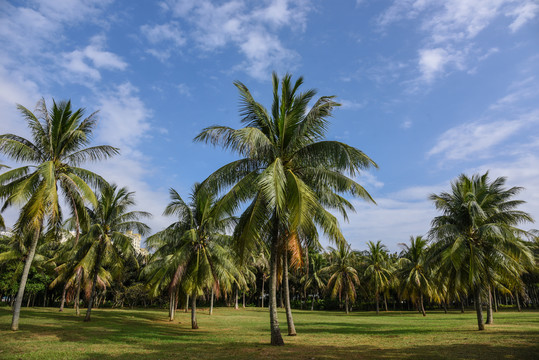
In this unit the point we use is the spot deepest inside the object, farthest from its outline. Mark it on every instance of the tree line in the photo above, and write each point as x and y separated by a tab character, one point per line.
251	229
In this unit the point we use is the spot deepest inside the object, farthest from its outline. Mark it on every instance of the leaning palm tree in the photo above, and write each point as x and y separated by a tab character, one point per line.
379	271
105	245
343	277
476	233
289	175
192	251
413	271
60	138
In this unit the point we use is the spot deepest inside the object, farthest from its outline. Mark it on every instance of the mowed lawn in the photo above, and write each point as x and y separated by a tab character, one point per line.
244	334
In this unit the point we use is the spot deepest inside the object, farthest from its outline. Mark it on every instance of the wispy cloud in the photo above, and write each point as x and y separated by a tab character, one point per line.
254	31
450	27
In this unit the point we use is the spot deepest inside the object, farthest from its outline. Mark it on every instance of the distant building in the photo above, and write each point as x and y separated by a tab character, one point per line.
135	240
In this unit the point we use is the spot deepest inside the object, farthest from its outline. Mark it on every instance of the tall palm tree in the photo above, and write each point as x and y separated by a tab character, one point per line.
378	269
343	276
413	271
193	248
476	233
287	172
60	139
105	244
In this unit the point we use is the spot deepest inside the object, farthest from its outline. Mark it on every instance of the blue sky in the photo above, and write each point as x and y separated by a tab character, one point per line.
429	88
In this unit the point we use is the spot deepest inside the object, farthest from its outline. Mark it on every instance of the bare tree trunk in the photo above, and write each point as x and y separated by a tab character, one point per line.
276	338
243	305
94	282
495	301
346	304
377	303
490	318
194	324
518	302
479	309
24	279
211	301
288	309
385	302
422	306
236	299
187	303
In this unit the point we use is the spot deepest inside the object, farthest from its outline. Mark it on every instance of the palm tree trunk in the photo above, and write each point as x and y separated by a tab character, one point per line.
490	318
171	306
243	305
276	338
187	303
377	303
495	301
312	303
385	302
22	285
62	303
422	306
211	301
286	288
94	282
518	303
479	309
77	298
236	299
346	304
194	324
263	290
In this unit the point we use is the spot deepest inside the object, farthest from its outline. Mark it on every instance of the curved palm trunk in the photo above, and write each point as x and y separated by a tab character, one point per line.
479	309
289	318
62	303
194	324
422	306
211	301
276	338
24	279
490	318
94	282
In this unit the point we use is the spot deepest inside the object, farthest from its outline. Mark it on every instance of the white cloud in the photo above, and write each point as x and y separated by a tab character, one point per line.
252	30
450	27
351	104
124	117
86	62
406	124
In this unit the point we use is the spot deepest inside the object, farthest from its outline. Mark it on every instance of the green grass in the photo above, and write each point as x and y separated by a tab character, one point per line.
244	334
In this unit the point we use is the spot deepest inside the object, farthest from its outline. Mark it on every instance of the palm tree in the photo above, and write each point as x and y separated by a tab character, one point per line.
314	279
476	233
289	175
193	248
105	244
343	277
378	269
59	145
413	272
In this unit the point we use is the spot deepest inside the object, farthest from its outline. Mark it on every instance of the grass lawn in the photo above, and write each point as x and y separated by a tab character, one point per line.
244	334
